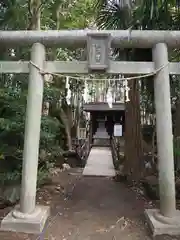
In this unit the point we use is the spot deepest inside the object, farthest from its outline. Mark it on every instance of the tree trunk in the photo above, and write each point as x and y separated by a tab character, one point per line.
67	126
133	136
177	135
35	12
69	139
177	119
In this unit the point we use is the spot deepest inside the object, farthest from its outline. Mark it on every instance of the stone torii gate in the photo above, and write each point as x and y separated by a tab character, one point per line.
30	218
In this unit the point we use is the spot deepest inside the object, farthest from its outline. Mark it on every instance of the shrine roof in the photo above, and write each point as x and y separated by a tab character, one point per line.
103	106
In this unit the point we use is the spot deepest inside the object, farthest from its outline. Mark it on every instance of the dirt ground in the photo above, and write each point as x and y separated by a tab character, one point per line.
86	208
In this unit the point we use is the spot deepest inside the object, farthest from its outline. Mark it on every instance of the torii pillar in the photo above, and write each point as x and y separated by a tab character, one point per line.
167	219
29	217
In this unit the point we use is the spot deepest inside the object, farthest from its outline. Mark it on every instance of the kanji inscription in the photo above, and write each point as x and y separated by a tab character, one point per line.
98	52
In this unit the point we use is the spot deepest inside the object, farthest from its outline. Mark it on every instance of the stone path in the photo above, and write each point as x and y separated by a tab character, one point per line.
99	163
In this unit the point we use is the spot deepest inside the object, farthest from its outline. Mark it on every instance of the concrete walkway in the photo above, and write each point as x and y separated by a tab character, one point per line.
99	163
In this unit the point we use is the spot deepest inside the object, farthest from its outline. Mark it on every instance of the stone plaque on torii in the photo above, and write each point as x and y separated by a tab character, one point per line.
98	51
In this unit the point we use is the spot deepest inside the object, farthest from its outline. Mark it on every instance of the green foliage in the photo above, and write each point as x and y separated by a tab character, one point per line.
16	15
10	177
12	119
12	116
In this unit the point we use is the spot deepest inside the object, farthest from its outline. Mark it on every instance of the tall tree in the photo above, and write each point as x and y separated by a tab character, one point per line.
142	14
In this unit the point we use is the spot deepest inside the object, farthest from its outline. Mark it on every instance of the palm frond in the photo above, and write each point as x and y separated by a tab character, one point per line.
113	15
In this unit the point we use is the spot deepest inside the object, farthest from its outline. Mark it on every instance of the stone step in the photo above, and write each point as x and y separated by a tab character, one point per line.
101	142
101	133
96	136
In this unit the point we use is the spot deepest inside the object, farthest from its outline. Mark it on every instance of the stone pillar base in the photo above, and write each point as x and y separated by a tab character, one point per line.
160	225
18	222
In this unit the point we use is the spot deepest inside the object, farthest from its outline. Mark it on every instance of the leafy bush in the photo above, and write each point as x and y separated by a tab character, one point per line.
12	123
